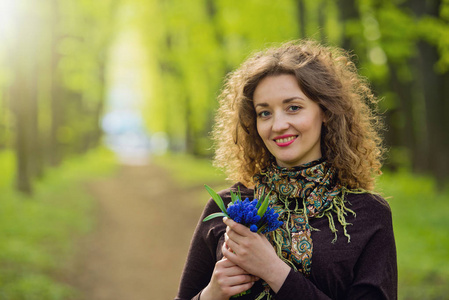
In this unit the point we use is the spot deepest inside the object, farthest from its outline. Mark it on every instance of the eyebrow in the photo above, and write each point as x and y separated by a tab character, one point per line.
264	104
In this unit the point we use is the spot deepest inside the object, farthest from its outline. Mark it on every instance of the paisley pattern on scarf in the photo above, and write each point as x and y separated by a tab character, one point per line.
298	194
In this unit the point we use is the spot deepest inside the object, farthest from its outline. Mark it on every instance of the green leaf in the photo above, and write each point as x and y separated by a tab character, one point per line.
217	199
259	202
214	215
234	197
263	207
262	228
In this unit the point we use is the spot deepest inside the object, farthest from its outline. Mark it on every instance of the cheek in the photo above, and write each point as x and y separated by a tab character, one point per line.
312	125
260	129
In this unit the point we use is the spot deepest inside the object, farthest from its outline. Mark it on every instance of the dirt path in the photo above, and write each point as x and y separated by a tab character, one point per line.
139	247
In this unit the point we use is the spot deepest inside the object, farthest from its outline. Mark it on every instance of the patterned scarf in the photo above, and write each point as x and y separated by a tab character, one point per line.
298	194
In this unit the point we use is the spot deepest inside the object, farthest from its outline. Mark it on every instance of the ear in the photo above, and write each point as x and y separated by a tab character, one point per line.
324	113
325	116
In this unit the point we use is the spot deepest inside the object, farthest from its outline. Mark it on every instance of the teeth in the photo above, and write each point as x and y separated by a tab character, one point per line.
285	140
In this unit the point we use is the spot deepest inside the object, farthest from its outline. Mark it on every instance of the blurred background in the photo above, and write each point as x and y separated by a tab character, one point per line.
87	87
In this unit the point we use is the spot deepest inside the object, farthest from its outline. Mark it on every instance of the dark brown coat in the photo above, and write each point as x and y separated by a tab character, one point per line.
365	268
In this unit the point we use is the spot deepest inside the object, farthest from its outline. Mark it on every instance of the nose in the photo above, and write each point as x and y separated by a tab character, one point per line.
280	122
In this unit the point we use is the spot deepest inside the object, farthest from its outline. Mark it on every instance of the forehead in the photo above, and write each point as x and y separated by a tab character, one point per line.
277	87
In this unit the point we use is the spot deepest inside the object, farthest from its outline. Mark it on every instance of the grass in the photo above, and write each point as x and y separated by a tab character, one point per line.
189	171
37	233
421	224
420	218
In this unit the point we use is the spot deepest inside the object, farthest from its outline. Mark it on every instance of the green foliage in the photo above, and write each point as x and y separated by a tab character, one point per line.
195	44
420	220
7	165
37	234
421	225
215	215
435	31
217	200
60	49
52	79
190	171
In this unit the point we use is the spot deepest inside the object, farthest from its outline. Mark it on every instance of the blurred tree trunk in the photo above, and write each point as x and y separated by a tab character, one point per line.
301	9
34	142
348	12
322	20
91	138
24	94
4	122
406	134
97	132
189	133
435	102
211	8
443	111
21	109
54	147
434	92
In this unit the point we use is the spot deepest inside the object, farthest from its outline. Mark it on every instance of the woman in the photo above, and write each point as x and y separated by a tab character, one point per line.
296	122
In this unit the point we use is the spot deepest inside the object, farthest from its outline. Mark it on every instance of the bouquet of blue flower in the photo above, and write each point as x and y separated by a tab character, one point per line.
254	214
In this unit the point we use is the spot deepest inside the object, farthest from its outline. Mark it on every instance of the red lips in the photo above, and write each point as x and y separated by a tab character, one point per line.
284	140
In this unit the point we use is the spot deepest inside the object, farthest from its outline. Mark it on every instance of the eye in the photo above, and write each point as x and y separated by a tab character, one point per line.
294	108
263	114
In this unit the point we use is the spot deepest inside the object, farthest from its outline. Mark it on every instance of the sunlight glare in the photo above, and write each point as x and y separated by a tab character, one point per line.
8	17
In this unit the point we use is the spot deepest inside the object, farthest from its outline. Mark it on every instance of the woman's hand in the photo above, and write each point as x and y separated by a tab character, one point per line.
254	253
227	280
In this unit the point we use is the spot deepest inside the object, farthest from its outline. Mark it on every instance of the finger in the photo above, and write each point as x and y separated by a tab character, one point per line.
231	245
237	227
237	289
236	271
229	269
225	263
240	279
227	253
234	235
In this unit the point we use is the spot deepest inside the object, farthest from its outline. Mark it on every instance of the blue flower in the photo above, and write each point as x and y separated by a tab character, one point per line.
254	214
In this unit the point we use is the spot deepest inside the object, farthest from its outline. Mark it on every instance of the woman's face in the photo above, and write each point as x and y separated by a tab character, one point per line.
288	122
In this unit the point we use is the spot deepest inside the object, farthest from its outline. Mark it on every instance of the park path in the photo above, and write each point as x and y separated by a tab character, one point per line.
141	238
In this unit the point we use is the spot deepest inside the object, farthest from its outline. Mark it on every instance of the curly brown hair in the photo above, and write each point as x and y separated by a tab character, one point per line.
350	138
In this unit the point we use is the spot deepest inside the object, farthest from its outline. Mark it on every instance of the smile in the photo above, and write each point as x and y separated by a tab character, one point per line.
284	141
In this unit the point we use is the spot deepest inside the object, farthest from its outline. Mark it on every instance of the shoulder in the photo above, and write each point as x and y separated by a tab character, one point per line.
236	188
373	209
368	200
225	194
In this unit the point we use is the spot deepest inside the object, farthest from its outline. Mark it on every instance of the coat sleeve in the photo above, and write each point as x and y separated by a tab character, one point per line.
202	255
374	269
297	286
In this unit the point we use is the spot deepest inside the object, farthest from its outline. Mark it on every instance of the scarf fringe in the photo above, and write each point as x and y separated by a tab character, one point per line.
263	294
335	203
338	207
